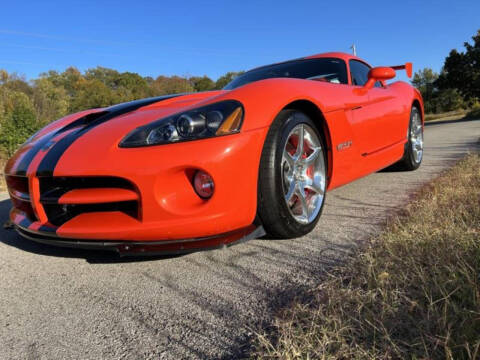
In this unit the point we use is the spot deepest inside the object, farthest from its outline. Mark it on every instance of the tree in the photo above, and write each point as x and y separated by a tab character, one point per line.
424	80
203	83
225	79
436	100
461	70
18	121
70	79
164	85
447	100
51	102
92	94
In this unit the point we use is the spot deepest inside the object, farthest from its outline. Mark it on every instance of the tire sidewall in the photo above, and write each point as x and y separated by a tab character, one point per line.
409	157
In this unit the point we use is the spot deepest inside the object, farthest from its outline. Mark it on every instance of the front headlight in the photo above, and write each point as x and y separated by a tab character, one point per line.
222	118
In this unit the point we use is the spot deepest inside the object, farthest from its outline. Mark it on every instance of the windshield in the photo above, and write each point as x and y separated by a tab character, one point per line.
322	69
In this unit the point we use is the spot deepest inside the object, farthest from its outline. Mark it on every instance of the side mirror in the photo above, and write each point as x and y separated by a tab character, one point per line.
380	73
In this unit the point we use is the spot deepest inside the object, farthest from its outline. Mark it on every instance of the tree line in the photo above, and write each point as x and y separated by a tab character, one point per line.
457	86
26	106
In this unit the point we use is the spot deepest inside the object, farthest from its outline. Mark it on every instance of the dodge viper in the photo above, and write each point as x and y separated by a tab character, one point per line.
185	172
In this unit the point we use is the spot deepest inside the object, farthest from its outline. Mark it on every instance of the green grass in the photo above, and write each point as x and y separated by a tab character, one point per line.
412	293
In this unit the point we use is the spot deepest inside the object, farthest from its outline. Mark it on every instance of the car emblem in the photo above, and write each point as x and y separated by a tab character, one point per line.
344	145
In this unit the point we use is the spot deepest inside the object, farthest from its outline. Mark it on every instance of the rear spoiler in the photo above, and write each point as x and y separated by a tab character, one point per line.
408	67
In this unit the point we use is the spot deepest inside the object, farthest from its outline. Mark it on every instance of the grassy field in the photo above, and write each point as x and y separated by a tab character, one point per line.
413	292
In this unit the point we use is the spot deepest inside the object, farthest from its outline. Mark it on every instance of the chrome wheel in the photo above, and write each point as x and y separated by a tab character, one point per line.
416	137
303	173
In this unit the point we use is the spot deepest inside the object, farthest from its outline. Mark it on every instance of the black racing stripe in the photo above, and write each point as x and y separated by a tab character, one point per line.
28	157
48	163
25	223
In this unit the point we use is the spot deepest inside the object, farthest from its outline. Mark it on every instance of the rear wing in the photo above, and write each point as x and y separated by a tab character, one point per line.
408	67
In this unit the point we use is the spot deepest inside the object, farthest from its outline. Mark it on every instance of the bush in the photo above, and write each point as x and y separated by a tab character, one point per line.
474	112
17	122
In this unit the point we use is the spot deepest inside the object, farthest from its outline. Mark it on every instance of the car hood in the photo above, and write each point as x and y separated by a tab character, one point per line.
97	128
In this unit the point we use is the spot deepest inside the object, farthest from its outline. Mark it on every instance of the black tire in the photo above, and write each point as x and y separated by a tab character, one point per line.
408	161
275	216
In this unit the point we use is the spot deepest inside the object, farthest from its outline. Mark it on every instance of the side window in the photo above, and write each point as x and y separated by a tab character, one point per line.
358	72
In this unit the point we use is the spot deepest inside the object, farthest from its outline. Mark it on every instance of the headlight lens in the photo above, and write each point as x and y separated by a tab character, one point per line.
222	118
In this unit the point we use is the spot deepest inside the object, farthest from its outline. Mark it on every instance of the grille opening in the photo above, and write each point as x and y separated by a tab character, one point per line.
59	214
52	188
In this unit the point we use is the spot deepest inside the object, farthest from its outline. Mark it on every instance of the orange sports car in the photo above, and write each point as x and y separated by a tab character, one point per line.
186	172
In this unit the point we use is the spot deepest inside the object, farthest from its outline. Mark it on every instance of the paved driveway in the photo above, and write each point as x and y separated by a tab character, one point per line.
58	303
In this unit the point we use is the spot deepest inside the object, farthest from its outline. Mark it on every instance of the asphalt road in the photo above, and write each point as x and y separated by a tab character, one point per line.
57	303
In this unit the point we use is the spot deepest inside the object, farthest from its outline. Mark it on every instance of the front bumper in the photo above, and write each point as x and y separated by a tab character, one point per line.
166	206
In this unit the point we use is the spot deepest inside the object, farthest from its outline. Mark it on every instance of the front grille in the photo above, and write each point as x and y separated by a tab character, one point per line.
60	214
53	188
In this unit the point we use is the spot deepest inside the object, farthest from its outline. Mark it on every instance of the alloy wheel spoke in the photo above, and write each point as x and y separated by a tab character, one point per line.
303	200
313	156
314	186
301	137
289	159
291	191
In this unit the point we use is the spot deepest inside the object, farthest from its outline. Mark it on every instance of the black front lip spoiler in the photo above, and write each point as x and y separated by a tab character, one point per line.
151	248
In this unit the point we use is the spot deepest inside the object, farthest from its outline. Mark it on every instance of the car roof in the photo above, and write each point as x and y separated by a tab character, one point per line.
339	55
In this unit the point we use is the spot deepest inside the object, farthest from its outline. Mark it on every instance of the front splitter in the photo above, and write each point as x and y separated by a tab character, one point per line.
150	248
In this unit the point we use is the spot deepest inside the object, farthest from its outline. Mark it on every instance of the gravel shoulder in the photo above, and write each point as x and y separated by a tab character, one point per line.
60	303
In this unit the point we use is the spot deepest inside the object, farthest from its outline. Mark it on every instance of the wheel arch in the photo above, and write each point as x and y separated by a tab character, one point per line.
417	104
313	112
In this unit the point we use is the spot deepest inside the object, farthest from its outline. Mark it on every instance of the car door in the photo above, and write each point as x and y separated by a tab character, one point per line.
374	122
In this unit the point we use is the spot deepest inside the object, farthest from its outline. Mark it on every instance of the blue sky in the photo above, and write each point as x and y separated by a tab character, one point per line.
212	37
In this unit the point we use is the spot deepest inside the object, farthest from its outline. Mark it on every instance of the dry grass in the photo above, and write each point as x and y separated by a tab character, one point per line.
413	292
451	115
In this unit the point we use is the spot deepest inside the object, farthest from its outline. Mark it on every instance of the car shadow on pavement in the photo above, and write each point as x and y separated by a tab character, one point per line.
457	152
10	237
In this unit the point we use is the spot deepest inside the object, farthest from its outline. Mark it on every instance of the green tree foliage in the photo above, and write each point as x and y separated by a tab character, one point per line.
424	80
164	85
436	100
50	101
461	70
225	79
92	94
25	106
17	120
203	83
